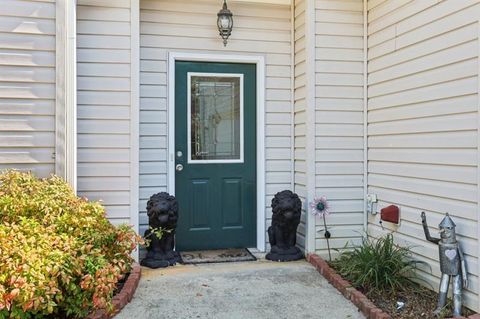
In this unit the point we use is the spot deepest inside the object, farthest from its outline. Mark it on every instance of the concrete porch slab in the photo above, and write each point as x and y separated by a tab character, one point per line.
257	290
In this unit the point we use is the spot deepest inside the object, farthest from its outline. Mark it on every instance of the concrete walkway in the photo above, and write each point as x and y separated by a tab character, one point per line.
249	290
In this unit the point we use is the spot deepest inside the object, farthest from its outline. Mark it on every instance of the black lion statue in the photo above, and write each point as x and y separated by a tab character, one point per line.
162	211
286	209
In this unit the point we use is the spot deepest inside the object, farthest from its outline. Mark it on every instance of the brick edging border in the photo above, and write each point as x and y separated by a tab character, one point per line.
356	297
121	299
367	307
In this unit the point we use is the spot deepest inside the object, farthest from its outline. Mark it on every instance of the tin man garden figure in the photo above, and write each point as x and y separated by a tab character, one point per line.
452	263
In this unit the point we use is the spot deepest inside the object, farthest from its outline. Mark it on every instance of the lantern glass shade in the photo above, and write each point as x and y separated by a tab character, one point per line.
225	22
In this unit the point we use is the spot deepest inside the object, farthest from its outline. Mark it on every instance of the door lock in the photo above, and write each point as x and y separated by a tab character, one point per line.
179	167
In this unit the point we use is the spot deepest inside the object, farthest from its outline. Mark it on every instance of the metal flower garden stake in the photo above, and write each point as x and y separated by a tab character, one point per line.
321	208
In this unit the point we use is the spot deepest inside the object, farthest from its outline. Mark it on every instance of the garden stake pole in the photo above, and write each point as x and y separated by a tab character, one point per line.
327	236
320	207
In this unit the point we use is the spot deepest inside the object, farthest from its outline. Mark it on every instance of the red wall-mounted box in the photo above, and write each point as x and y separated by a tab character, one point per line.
390	214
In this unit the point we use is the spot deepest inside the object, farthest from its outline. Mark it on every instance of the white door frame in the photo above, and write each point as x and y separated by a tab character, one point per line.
259	61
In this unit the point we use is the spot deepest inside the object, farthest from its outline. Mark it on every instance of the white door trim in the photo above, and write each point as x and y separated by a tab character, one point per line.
259	61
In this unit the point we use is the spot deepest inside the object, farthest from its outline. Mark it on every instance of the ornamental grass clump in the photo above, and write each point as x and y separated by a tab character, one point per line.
59	255
378	265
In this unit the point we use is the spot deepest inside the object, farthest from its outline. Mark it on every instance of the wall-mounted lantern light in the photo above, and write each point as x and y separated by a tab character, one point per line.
225	22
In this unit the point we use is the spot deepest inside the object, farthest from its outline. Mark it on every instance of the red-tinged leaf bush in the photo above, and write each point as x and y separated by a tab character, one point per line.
59	255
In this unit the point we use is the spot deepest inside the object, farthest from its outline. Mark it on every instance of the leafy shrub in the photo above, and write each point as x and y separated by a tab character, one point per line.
59	255
377	265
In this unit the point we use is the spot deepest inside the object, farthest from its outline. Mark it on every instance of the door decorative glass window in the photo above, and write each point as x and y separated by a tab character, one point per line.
215	116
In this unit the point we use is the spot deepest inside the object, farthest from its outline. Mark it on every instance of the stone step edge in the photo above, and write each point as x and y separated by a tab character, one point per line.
121	299
361	301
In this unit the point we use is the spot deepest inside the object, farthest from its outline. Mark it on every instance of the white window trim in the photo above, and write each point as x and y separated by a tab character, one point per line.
259	61
189	118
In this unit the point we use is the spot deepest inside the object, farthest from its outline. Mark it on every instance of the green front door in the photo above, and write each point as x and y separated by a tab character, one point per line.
215	140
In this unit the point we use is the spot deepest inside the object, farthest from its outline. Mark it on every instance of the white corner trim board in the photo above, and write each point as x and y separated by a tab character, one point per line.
135	116
310	245
66	92
259	61
365	116
478	154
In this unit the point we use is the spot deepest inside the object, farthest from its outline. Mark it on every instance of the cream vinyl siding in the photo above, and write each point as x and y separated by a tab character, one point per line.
300	102
423	123
187	26
339	120
27	86
103	53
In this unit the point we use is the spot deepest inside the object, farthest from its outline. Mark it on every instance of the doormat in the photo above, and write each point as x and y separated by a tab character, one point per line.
217	256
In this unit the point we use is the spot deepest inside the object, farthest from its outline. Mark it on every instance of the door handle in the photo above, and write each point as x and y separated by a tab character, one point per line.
179	167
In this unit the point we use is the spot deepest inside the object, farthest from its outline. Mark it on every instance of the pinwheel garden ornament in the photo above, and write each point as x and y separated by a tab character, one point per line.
320	207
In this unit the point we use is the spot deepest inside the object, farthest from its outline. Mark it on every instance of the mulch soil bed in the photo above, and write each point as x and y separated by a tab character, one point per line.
419	301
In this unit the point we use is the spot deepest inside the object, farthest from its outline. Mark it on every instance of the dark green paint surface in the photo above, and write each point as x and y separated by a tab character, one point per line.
217	202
